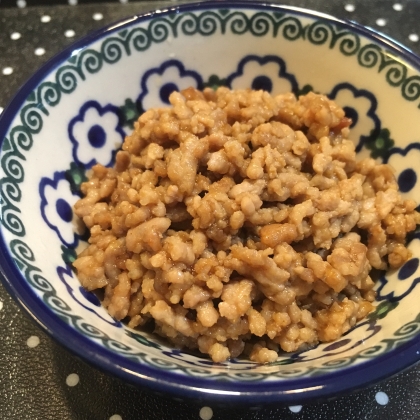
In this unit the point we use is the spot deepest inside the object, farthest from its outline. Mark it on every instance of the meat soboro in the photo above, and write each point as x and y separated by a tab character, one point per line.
242	223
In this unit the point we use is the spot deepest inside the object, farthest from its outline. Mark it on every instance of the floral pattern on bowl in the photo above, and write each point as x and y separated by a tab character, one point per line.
67	103
266	73
94	132
158	83
57	200
87	300
407	176
359	105
397	285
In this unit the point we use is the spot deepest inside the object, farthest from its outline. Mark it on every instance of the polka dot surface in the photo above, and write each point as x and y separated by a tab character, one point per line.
7	71
413	37
295	408
1	303
33	341
381	22
116	417
350	7
206	413
381	398
98	16
45	19
69	33
397	7
39	51
15	36
72	379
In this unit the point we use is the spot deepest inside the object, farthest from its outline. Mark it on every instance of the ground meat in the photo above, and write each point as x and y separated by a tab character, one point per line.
241	223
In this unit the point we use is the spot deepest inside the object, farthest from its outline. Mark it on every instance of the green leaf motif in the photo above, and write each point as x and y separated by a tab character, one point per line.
68	255
381	145
130	113
72	59
142	340
31	97
75	176
215	81
304	90
382	310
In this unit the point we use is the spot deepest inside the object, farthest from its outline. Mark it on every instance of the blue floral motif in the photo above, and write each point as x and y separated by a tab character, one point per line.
360	105
397	285
57	201
94	133
87	300
158	83
340	346
405	162
267	73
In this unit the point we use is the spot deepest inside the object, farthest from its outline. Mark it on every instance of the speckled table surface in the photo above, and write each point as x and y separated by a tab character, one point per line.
41	380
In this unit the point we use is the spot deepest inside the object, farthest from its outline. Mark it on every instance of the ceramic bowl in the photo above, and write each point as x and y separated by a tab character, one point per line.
77	109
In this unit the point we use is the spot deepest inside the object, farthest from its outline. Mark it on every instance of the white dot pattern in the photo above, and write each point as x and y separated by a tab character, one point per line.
381	22
39	51
72	379
7	71
69	33
72	2
206	413
413	37
33	341
350	7
116	417
21	3
381	398
295	408
1	303
397	7
45	19
15	36
98	16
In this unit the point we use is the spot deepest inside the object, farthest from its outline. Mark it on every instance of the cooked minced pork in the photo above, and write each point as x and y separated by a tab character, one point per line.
242	223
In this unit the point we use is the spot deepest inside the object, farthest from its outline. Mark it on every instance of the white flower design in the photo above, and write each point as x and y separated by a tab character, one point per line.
360	106
57	202
158	83
86	299
267	73
405	164
96	133
398	284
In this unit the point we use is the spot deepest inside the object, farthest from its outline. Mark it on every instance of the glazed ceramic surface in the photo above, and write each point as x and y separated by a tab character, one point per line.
76	111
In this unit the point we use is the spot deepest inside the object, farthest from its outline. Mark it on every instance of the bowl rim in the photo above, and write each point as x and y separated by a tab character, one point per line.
290	390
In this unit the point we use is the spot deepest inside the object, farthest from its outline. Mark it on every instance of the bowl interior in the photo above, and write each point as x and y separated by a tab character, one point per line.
76	111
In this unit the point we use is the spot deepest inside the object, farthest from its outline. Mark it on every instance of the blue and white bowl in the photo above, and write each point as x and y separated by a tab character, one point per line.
75	112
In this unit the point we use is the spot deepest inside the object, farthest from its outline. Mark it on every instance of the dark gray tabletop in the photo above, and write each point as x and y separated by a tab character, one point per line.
41	380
